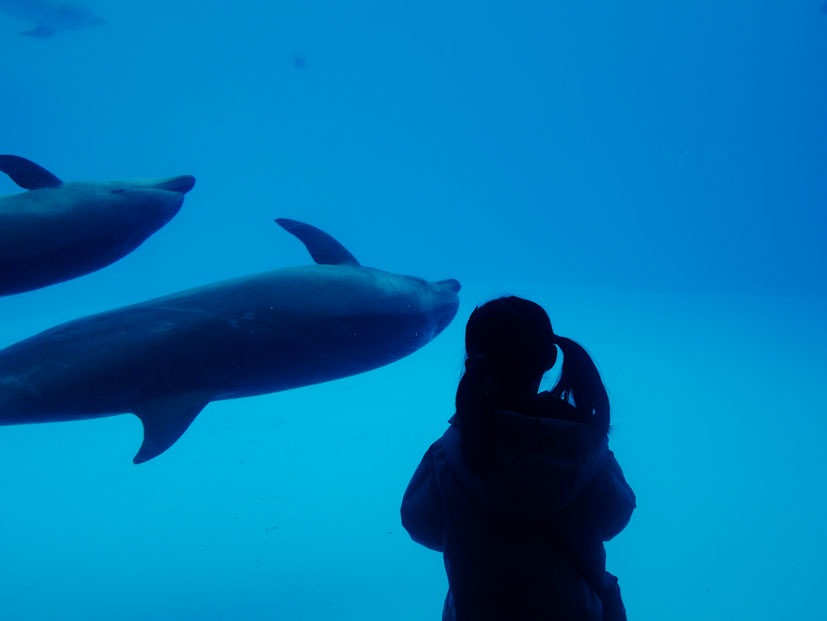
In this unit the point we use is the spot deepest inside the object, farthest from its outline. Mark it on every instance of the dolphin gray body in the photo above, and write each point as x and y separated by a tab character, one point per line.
164	360
57	231
49	17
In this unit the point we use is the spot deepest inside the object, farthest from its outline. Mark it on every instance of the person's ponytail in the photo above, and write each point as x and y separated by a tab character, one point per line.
580	381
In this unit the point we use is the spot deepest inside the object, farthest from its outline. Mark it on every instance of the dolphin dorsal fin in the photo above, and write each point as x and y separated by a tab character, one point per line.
27	174
322	247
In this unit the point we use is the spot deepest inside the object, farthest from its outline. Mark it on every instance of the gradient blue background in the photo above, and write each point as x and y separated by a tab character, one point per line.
653	173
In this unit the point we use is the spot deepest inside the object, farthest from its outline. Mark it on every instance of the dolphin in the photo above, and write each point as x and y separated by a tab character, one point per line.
57	231
49	17
165	359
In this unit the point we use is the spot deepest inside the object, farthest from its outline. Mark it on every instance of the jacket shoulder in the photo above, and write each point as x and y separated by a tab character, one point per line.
422	507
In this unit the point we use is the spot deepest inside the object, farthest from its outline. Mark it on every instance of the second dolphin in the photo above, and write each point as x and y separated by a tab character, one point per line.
57	231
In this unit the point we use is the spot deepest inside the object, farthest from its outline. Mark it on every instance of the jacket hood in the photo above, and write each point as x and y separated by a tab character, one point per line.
543	460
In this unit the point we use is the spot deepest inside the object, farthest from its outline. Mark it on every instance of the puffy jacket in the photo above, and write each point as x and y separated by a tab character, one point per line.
552	483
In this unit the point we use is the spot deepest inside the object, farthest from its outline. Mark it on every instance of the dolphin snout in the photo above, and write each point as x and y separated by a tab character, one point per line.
182	184
152	201
450	284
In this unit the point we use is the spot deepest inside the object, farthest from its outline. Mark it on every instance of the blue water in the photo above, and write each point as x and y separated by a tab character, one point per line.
652	173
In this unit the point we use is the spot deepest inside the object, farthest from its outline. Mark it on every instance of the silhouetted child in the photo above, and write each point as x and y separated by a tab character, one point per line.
522	490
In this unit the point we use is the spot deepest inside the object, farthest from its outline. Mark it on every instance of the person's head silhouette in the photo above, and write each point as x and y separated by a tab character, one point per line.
510	341
509	345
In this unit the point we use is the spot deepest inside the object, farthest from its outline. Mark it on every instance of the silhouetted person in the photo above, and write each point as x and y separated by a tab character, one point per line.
521	491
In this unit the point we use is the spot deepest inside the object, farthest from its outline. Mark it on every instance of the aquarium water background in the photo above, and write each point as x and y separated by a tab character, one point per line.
653	173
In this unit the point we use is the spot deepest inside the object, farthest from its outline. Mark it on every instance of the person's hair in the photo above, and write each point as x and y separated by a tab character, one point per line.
509	342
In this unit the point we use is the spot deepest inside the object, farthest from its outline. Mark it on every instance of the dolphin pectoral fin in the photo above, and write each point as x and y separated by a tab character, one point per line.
39	32
322	247
165	419
27	174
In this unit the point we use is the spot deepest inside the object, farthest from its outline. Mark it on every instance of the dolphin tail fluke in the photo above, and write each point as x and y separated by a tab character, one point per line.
165	419
38	32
